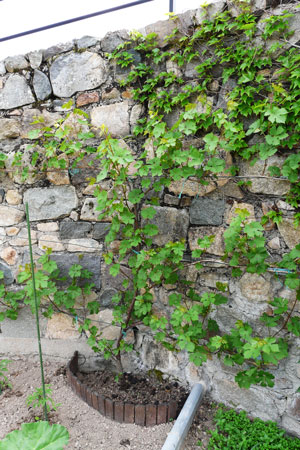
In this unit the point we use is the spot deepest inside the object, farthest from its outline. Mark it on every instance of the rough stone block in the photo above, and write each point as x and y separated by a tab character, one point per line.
50	203
74	230
83	245
89	211
15	93
60	326
233	213
89	262
172	224
77	72
85	42
87	98
290	234
13	197
9	128
41	85
13	63
260	169
255	287
9	255
100	230
51	241
115	117
8	275
206	211
10	216
216	248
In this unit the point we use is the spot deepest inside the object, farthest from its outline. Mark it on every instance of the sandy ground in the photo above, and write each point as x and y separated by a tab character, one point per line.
87	428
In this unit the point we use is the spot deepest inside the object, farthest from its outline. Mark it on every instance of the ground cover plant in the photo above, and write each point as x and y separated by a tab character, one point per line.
235	431
36	436
138	180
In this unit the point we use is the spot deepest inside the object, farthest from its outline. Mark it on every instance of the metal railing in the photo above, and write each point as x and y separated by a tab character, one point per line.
77	19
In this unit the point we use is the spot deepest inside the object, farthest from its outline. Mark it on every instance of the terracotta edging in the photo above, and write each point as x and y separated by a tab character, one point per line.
144	415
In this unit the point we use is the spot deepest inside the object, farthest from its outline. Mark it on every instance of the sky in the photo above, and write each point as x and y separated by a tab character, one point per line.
21	15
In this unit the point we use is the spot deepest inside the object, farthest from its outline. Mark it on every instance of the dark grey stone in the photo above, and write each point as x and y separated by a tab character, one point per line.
136	56
41	85
112	39
224	93
86	42
100	230
2	193
8	276
206	211
57	49
106	296
172	224
65	261
74	230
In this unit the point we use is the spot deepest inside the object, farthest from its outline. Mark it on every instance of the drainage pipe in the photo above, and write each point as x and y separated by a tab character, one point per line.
182	425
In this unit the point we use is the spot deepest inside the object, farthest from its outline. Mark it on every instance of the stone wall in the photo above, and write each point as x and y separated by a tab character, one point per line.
63	214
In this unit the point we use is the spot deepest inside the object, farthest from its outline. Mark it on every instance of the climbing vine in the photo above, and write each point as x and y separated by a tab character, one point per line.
259	118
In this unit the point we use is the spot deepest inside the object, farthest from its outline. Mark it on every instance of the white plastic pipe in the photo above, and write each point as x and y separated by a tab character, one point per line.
182	425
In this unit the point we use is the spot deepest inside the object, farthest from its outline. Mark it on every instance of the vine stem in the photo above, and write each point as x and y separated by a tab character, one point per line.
36	313
288	317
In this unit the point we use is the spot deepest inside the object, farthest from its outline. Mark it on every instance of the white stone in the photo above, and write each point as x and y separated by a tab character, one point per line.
22	239
216	248
10	216
83	245
284	205
9	128
35	59
266	184
12	231
77	72
51	241
15	93
274	243
233	213
256	288
290	234
9	255
48	226
89	212
60	326
135	115
74	216
115	117
13	197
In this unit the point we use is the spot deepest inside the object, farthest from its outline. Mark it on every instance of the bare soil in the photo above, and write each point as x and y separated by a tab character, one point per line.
87	428
136	389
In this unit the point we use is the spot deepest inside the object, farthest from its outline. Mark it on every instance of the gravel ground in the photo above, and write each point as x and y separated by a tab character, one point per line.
87	428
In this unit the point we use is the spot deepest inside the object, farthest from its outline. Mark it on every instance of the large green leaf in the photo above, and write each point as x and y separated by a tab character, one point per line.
36	436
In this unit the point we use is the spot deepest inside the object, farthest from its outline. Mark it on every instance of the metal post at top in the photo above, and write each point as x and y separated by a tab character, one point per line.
171	6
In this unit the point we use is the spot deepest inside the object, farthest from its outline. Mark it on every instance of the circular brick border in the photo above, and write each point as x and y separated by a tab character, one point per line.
144	415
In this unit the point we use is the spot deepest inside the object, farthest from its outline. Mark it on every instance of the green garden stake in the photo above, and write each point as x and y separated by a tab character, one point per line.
36	312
